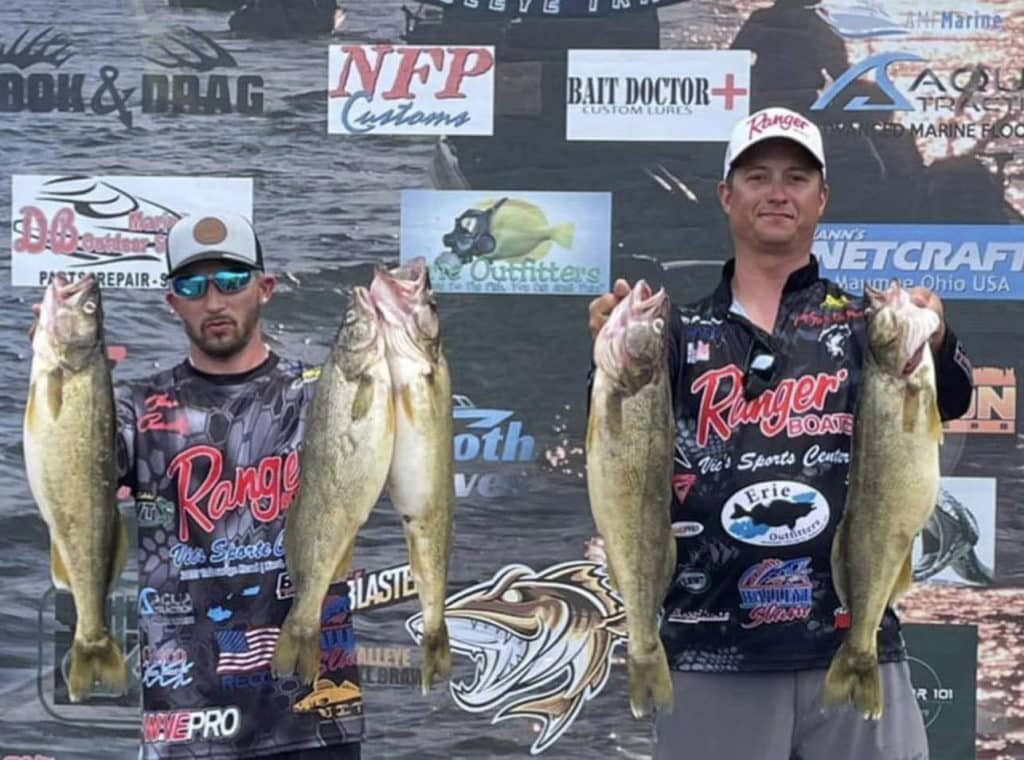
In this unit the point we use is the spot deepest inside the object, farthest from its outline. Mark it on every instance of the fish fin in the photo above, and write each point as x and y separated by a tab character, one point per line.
839	564
30	407
649	682
613	415
92	661
297	651
363	399
58	570
405	397
121	546
563	234
55	391
32	329
389	424
934	418
854	676
437	657
904	581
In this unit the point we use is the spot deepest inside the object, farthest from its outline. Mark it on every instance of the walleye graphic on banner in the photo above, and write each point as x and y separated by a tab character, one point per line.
112	227
541	643
515	242
958	543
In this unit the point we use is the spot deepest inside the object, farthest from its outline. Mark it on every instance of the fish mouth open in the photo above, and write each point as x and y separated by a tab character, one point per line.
497	653
915	360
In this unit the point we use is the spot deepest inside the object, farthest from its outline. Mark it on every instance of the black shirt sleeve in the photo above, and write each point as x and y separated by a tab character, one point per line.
126	427
954	377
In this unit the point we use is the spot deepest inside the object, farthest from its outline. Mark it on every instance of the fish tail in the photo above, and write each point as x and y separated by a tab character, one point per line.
853	675
649	681
297	651
563	234
437	657
738	512
99	660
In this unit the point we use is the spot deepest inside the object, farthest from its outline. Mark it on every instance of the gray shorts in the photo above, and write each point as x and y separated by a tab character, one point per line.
778	716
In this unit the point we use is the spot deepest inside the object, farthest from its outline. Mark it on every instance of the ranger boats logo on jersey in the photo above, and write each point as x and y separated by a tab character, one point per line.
775	513
782	408
542	643
266	488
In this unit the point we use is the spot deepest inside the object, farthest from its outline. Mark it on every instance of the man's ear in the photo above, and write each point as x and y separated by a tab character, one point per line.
725	195
266	285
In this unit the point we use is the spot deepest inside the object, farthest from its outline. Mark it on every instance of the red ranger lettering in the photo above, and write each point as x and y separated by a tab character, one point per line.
772	410
764	121
267	487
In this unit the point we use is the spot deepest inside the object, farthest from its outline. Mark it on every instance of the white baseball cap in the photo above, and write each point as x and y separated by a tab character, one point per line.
216	236
771	123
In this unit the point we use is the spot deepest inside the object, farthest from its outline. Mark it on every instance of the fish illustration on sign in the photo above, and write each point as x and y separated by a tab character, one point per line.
504	229
541	642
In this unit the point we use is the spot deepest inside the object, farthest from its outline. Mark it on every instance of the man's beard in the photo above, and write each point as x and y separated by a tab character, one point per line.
225	346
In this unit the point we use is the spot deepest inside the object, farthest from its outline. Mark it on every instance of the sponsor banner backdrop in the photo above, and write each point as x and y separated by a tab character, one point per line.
410	90
942	661
535	150
684	95
112	226
512	242
956	261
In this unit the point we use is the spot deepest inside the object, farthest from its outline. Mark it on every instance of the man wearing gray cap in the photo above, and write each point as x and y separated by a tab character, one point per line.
209	450
765	373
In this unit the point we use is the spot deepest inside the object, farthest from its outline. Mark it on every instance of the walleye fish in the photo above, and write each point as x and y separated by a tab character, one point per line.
629	474
69	437
345	455
421	481
894	482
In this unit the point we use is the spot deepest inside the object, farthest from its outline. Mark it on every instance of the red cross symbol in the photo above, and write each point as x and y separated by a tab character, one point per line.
729	92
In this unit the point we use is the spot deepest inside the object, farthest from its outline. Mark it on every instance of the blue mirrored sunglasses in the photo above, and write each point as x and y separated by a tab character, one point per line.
227	281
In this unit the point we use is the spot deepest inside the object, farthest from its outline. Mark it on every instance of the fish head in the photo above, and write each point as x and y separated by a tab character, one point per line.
71	317
360	333
898	329
408	309
541	643
631	347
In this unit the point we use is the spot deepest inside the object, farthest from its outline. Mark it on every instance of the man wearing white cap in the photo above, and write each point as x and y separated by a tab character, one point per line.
209	450
765	374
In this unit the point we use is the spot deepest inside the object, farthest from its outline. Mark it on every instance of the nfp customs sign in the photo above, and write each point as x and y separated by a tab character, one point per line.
969	261
109	226
410	90
943	663
516	242
661	95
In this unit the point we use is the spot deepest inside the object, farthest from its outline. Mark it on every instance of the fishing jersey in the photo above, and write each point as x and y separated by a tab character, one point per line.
213	464
759	485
